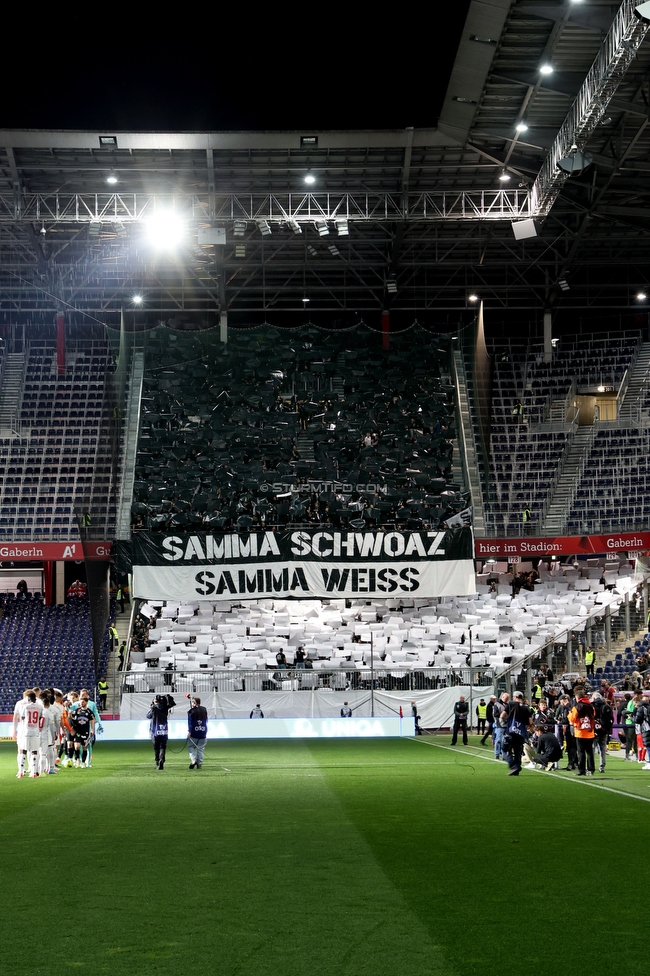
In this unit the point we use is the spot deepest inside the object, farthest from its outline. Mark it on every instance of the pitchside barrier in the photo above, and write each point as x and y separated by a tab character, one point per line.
266	728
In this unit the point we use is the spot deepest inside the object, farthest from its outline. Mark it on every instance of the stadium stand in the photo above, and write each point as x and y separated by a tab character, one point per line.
534	428
58	460
300	410
45	646
416	644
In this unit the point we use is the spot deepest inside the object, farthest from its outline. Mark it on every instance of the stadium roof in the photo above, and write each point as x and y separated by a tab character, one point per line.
413	220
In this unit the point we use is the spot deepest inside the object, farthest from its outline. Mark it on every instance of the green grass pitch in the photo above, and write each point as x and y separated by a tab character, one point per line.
396	857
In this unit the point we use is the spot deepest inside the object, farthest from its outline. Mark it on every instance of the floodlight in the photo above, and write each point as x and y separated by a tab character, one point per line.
391	286
546	69
521	126
601	389
310	179
264	228
472	297
294	225
137	299
641	296
239	228
564	284
312	250
240	250
504	177
165	230
575	161
111	178
342	227
642	11
333	249
305	300
322	228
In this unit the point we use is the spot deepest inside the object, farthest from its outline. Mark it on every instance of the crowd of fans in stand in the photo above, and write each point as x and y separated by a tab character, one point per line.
213	451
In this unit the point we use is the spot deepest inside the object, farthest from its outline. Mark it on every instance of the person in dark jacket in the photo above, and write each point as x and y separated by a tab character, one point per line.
546	751
461	712
642	719
604	726
197	732
159	726
520	720
566	732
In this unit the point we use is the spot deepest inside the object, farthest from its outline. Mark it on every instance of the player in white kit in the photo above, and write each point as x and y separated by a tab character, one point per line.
32	726
48	731
19	732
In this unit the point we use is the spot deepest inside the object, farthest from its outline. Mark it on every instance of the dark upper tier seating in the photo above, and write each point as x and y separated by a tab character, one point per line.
60	460
533	424
249	432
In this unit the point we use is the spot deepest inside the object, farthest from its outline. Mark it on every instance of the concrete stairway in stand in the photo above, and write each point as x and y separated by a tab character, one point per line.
12	379
122	623
567	484
629	409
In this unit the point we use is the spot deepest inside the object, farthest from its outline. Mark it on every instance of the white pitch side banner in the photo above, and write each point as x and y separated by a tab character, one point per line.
303	564
303	580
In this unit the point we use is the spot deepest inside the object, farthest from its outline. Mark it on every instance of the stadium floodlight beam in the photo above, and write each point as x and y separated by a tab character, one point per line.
641	296
521	126
310	179
137	299
546	69
642	11
111	178
166	230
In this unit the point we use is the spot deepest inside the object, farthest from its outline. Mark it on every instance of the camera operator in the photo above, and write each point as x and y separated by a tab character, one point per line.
197	732
159	727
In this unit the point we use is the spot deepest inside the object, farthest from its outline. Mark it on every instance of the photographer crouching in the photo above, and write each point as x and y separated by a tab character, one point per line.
159	726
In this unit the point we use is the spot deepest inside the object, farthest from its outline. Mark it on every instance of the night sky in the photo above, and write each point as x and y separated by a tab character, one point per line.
229	74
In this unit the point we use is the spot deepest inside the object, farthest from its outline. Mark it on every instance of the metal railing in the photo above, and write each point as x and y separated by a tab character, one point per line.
130	446
349	676
467	442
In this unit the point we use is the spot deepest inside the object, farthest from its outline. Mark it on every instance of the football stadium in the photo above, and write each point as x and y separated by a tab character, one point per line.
324	516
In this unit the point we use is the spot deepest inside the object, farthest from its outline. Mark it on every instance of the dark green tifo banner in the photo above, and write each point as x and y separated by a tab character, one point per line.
302	564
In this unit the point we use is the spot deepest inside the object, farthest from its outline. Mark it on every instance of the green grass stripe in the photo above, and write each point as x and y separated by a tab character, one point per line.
317	856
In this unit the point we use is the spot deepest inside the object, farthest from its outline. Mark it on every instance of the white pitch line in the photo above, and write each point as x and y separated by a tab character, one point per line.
582	781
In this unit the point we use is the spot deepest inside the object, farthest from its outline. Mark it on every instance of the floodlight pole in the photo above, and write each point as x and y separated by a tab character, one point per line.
372	675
